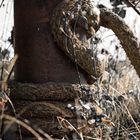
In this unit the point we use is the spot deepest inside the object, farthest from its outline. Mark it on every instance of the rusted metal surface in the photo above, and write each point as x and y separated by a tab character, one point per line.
40	59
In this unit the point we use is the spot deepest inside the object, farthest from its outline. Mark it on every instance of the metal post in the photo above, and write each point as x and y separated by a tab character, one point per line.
40	59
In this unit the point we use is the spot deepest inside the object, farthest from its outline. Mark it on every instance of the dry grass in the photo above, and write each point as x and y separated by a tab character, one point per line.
119	98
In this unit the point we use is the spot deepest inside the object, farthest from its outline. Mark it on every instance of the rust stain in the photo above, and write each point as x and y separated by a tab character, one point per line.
40	59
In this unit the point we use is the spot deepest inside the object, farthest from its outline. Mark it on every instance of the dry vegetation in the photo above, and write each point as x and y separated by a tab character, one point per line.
107	110
118	96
